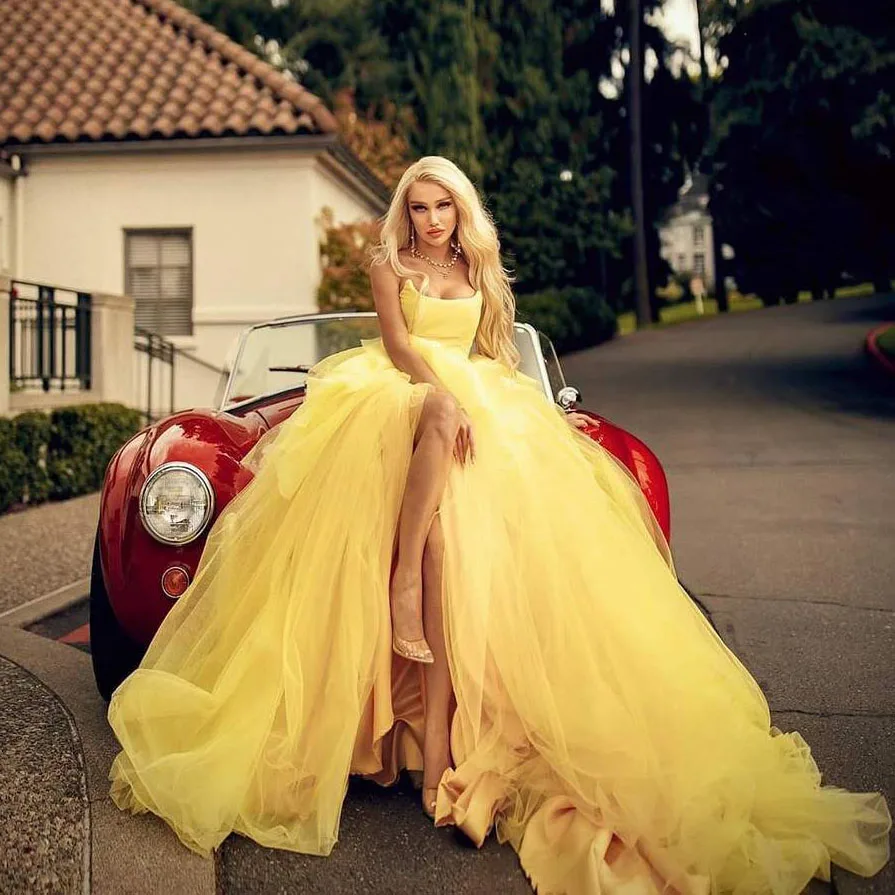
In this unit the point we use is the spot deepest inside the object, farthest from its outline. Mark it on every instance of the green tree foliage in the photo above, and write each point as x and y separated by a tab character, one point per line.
345	284
241	20
511	91
327	45
435	49
674	132
545	173
804	125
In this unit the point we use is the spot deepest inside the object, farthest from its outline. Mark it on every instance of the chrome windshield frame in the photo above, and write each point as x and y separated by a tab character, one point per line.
530	332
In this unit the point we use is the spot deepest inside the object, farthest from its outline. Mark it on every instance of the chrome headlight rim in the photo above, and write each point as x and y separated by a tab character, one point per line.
204	482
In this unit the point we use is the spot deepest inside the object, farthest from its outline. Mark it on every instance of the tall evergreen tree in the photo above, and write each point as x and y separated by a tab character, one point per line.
435	50
511	90
806	122
545	174
672	140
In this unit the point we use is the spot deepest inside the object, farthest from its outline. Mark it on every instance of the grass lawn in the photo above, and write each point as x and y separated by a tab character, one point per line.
886	342
686	311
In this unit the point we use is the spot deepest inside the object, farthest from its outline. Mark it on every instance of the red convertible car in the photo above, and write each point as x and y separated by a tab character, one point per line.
164	488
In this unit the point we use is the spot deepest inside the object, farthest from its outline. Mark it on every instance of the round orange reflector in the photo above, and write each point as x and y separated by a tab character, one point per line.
175	581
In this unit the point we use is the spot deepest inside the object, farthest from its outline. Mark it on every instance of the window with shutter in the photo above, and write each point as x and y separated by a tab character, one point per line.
159	277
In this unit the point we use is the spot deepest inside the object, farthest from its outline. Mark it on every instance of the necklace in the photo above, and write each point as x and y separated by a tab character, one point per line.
445	267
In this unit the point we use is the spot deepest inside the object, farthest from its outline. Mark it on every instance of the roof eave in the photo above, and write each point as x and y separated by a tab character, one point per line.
377	192
381	194
311	142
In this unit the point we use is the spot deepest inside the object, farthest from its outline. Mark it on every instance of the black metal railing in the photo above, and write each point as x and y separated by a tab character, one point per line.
49	337
156	379
158	349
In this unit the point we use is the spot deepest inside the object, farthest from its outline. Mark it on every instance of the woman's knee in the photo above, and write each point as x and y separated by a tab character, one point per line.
441	416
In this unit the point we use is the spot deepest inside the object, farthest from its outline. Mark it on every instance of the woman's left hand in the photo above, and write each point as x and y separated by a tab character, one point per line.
580	420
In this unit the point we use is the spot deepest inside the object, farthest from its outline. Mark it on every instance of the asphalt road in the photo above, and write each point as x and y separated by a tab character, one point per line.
778	440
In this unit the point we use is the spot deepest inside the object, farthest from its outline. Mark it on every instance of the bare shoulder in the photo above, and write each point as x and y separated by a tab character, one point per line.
387	302
386	299
383	278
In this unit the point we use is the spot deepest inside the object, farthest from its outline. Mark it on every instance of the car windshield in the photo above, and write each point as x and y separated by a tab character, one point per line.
275	357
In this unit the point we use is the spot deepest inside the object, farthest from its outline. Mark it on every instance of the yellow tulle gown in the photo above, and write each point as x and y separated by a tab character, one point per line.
602	726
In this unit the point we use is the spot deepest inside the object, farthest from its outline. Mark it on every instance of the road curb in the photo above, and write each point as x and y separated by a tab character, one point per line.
128	853
880	359
46	850
49	604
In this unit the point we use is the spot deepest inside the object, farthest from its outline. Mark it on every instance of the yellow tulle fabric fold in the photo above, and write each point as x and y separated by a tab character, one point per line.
602	726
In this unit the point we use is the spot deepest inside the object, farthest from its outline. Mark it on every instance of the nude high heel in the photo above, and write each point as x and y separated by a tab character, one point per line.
414	650
430	798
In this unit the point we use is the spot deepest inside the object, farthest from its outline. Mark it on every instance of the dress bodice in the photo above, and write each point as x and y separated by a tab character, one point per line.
450	321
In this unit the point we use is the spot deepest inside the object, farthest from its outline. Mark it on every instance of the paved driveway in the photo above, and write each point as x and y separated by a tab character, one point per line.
779	446
779	443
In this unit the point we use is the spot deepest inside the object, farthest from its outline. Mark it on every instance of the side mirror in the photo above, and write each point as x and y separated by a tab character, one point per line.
567	397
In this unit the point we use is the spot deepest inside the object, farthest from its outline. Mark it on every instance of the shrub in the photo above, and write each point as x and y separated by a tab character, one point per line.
573	318
83	440
596	318
345	284
32	436
682	280
550	314
13	464
673	292
62	454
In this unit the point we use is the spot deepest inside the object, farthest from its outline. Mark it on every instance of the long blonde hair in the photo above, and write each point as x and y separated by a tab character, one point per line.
478	240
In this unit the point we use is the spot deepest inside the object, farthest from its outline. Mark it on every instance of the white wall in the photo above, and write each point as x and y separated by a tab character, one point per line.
253	217
6	224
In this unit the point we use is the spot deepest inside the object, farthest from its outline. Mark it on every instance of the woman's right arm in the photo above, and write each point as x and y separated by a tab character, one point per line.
396	340
395	337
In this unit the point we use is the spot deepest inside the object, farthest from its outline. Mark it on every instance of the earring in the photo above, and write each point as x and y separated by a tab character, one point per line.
412	239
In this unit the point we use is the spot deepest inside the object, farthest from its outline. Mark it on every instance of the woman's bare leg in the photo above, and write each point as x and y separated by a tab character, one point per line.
426	478
436	747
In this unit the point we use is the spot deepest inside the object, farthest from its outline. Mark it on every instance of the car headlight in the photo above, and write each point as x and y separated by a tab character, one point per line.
176	503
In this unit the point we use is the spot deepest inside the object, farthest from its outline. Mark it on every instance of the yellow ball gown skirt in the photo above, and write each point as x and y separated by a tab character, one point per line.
602	726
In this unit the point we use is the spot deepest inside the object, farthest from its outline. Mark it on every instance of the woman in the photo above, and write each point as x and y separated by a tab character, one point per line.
433	570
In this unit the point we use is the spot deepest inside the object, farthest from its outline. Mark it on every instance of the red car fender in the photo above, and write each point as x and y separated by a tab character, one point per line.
641	461
132	560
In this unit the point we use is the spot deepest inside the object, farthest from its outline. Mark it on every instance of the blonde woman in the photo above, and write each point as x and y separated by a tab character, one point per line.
434	570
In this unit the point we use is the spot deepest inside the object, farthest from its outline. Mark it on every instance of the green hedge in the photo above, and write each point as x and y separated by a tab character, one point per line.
12	466
61	454
574	317
32	433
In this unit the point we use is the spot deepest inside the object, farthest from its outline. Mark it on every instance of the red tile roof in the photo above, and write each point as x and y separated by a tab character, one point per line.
92	70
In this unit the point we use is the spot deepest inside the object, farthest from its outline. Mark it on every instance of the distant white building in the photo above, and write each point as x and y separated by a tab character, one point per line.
143	153
686	233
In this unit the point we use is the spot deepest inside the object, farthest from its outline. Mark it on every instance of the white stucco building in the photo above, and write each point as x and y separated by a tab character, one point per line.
145	154
686	233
